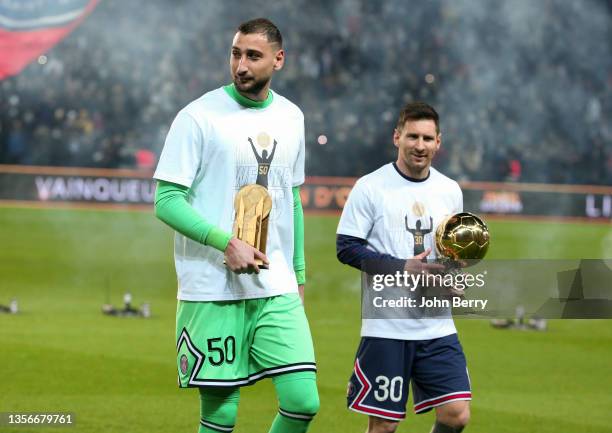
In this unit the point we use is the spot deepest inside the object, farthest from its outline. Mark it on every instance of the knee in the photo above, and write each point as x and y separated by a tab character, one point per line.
378	425
306	401
227	411
457	416
302	399
311	404
462	418
219	405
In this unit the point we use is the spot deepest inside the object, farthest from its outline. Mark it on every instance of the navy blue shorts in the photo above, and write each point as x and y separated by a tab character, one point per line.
379	385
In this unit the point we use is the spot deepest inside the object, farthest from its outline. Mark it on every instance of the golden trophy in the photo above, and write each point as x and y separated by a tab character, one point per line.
462	240
463	236
252	206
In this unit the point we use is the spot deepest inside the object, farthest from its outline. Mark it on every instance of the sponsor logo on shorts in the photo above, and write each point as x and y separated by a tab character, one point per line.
184	364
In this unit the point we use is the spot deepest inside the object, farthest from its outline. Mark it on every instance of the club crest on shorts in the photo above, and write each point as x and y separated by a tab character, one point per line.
184	364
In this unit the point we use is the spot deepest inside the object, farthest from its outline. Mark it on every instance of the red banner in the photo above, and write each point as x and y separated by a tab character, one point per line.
29	28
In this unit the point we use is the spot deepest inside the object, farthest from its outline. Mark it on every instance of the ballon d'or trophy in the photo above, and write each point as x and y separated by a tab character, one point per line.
252	206
462	237
462	240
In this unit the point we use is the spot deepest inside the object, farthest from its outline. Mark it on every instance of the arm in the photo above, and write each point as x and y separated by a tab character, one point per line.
298	177
352	246
273	150
172	207
353	251
257	157
355	224
299	261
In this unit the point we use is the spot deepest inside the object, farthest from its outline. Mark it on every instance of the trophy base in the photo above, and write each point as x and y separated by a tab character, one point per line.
261	264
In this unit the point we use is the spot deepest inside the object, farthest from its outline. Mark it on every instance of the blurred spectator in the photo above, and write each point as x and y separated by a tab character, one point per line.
17	144
523	88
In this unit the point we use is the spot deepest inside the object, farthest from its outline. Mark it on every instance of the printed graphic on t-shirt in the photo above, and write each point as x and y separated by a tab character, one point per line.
264	161
418	231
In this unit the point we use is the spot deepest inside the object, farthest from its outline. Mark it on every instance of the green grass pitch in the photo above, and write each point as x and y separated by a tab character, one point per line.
118	375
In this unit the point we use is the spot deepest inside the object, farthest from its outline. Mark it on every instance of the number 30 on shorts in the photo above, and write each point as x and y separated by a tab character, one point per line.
389	389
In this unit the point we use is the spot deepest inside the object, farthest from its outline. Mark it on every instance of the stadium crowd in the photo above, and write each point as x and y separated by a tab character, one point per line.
516	104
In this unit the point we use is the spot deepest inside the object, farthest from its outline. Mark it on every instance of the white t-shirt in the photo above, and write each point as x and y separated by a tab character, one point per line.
389	211
216	146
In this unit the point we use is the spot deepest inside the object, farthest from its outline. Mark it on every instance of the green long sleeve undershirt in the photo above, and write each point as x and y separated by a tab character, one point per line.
299	260
173	208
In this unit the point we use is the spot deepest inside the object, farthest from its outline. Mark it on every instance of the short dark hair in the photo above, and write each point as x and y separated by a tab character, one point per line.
418	111
263	26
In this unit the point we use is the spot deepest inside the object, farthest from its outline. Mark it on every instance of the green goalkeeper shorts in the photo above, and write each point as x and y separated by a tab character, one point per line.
236	343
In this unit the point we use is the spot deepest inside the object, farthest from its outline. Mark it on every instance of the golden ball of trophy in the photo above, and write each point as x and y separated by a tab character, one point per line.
462	236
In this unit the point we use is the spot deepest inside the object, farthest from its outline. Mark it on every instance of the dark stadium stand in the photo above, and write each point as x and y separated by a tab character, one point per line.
518	102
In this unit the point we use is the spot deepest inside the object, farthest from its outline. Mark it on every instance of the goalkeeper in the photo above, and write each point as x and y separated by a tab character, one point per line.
237	323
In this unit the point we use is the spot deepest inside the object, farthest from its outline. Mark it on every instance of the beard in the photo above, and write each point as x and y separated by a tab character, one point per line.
417	166
253	86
